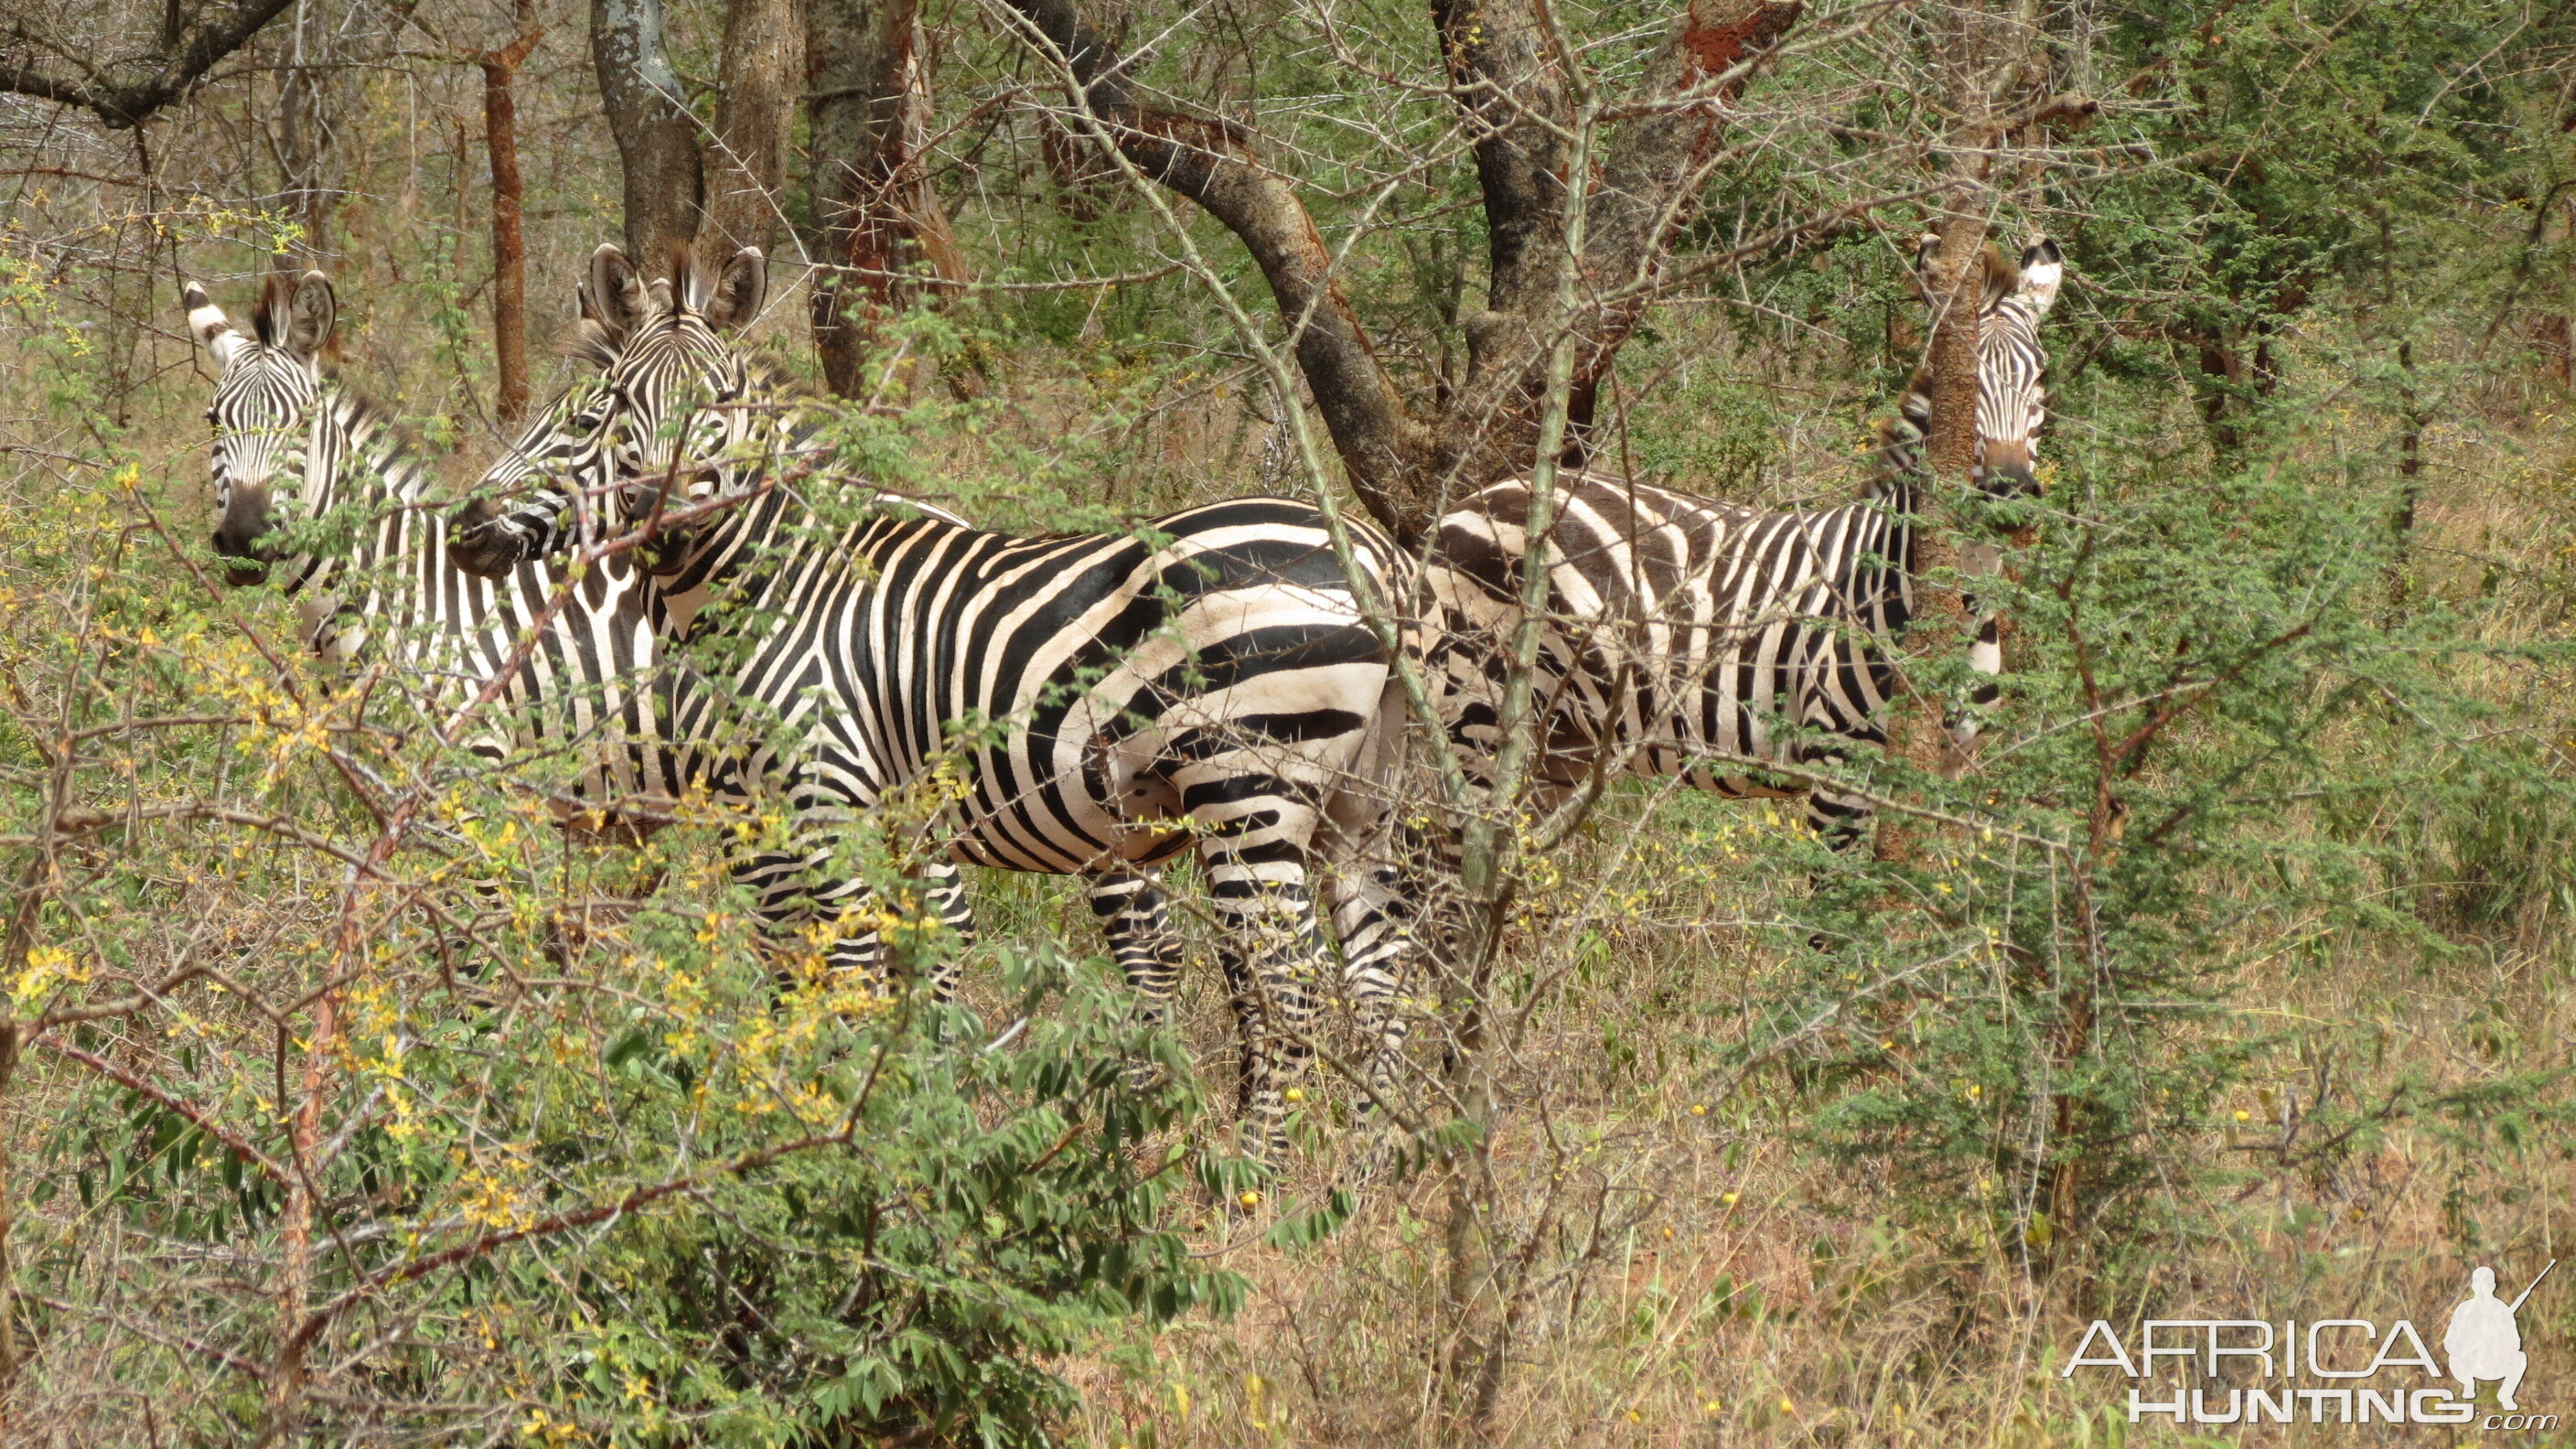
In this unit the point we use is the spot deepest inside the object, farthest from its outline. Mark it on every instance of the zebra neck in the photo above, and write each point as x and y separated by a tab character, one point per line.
359	464
738	553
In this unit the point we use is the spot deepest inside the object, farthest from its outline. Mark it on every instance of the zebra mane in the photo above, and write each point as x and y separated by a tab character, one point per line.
378	435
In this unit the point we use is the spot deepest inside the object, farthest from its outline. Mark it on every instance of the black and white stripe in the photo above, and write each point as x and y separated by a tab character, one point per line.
291	442
1108	701
1700	640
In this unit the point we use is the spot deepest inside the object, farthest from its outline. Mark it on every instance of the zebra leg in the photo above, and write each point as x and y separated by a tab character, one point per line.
793	912
1373	917
1840	821
943	889
1255	851
575	922
463	962
1986	657
1376	930
1136	918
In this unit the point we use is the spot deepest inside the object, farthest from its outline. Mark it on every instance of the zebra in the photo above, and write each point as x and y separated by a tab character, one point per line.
291	441
1680	628
487	541
1207	680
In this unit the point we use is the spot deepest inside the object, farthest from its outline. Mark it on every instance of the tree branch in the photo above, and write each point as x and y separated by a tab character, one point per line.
1210	162
1652	168
1649	176
188	53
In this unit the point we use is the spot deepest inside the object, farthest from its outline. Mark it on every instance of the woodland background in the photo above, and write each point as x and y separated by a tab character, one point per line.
2233	981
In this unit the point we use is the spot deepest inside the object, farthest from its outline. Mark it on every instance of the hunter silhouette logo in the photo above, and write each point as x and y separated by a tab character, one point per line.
2483	1343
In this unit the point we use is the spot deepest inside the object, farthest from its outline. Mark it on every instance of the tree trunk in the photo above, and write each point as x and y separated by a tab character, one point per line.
657	140
1403	465
757	74
1976	64
8	1266
876	212
2410	476
303	133
509	247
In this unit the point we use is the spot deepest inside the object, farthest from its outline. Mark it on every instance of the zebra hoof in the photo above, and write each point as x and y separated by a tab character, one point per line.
475	543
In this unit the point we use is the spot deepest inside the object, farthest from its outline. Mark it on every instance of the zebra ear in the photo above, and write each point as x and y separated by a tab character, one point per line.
739	290
2043	267
616	292
1997	275
208	324
310	318
588	338
270	314
2003	277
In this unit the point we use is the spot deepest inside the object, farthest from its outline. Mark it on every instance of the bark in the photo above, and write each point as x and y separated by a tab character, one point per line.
1971	59
2410	474
879	217
763	55
657	140
1211	163
10	1040
1647	181
1402	465
304	133
509	247
1512	87
189	45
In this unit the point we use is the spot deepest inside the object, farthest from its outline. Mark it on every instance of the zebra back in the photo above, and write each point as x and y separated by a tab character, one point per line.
1683	631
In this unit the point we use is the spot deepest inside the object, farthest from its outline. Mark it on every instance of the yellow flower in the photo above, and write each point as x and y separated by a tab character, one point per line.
1298	1094
1726	1199
1250	1199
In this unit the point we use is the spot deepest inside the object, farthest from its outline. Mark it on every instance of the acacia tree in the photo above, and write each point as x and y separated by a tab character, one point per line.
67	57
875	213
1583	194
1523	98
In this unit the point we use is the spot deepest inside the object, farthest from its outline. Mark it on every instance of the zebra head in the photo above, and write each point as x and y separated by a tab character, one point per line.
2012	371
553	460
673	379
265	401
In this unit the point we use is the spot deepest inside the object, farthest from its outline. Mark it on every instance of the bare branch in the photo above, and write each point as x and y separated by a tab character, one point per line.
1211	162
200	40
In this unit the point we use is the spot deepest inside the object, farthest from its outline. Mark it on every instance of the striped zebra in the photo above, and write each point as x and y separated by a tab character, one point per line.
292	442
1108	701
486	541
1682	631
